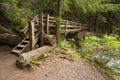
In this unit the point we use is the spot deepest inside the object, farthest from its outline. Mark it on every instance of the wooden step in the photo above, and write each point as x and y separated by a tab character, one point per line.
20	45
25	41
16	51
27	38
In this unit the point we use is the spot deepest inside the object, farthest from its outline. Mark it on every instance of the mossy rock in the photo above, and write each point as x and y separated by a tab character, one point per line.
9	39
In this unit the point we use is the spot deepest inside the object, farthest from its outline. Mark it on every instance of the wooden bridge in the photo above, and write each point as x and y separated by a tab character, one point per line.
39	26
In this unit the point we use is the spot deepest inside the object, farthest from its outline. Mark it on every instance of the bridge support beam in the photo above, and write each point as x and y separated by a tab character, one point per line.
47	24
31	35
66	23
41	29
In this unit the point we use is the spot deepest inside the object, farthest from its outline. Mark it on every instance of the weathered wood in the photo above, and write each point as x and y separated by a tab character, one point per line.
41	29
80	27
50	40
35	18
52	21
47	24
74	25
52	18
66	23
31	34
25	58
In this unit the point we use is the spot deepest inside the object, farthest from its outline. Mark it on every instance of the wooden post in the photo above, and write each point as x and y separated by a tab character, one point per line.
47	24
66	23
31	35
80	27
41	29
74	26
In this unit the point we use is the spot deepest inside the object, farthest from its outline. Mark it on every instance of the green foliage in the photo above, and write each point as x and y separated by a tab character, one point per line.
43	56
93	6
34	62
105	51
4	30
59	21
112	41
11	10
36	46
18	11
66	5
70	46
38	61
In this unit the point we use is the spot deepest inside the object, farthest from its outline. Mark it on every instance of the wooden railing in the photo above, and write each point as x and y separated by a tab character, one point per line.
47	25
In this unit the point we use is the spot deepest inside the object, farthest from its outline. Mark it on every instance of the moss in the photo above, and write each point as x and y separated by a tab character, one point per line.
4	30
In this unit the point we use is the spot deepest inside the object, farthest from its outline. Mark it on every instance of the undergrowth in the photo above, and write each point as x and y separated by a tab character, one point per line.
70	46
105	51
37	61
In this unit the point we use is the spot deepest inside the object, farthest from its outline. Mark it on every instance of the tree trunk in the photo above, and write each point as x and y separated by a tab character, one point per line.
109	24
97	23
59	16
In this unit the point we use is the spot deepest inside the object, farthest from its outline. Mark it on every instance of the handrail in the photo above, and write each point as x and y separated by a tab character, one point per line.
70	24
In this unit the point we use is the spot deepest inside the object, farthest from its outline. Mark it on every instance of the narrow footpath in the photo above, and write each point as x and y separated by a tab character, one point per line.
53	68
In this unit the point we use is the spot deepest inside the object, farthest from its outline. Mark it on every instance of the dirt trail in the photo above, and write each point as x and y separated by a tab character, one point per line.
54	68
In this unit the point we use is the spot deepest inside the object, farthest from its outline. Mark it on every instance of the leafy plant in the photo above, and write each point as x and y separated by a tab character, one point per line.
36	46
38	61
105	51
70	46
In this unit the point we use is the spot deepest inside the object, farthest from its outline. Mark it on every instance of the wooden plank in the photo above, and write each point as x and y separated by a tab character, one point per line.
31	34
52	18
80	27
35	18
74	26
25	30
62	26
52	21
47	24
41	29
73	30
52	25
37	37
70	26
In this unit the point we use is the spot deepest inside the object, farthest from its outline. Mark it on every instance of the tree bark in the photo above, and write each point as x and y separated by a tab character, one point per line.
58	24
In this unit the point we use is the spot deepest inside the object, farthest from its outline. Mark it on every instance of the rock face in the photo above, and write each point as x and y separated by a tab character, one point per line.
9	39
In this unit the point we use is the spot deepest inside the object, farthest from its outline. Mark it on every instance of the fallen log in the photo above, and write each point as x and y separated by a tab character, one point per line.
25	58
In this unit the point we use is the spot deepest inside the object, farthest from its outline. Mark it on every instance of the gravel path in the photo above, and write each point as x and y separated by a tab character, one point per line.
53	68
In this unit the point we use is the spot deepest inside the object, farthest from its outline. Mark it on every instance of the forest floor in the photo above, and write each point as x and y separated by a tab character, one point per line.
55	67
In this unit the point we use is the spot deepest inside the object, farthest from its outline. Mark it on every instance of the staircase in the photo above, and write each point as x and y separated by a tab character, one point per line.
21	46
24	45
